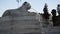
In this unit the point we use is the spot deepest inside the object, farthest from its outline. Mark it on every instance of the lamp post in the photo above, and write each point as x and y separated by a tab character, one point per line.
18	1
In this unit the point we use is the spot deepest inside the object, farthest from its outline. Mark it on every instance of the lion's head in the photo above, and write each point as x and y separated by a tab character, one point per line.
26	5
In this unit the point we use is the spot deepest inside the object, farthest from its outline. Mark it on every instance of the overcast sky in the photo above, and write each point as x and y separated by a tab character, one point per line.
36	4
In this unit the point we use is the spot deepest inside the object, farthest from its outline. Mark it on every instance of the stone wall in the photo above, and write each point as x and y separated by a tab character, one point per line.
19	25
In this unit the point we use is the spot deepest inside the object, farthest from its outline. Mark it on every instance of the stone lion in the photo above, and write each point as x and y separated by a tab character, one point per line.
21	11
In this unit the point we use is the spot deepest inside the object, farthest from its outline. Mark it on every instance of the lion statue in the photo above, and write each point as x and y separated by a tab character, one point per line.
21	11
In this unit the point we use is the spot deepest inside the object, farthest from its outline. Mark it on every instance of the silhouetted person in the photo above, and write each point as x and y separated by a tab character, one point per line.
58	9
54	17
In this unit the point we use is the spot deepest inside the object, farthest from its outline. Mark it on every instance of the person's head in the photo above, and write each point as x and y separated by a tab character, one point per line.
53	12
27	5
58	5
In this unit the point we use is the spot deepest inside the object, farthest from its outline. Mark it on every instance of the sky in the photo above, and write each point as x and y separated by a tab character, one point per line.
38	5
